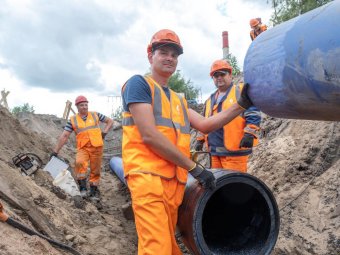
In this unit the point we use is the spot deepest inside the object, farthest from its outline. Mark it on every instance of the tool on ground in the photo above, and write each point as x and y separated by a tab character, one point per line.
55	166
6	219
29	163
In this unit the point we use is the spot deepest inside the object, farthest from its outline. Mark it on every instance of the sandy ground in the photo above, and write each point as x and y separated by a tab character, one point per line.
298	160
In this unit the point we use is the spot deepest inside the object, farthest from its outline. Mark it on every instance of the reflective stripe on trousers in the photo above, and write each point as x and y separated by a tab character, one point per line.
155	203
87	154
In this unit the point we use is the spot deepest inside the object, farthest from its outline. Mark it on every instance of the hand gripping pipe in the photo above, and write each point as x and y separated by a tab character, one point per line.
239	217
294	68
4	218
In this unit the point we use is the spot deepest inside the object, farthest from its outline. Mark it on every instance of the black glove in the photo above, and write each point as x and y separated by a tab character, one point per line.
244	100
205	177
247	141
103	135
53	154
199	145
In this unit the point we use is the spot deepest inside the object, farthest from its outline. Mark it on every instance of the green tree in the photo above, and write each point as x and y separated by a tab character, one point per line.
233	62
24	108
287	9
178	84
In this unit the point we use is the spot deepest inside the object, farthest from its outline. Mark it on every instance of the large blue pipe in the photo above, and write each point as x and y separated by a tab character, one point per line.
116	167
294	68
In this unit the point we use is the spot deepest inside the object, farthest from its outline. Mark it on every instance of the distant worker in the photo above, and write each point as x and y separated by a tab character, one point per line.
156	145
89	145
230	145
256	28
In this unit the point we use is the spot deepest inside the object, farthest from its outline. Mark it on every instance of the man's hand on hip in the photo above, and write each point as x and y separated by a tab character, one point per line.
247	141
103	135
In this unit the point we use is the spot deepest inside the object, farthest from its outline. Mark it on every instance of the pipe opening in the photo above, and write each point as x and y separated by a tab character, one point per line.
236	220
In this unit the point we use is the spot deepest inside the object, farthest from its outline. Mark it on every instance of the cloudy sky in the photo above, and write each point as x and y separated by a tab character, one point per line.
52	51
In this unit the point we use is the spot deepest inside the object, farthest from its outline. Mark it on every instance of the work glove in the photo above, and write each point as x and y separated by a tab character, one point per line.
204	177
244	100
103	135
53	154
247	141
199	145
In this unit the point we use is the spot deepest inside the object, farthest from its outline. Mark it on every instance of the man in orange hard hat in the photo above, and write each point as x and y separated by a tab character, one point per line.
89	137
231	145
156	145
256	28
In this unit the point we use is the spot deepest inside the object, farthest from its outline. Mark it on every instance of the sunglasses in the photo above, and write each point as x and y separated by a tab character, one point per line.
217	74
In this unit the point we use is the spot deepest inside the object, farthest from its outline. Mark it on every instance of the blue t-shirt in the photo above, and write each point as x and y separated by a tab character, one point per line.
137	90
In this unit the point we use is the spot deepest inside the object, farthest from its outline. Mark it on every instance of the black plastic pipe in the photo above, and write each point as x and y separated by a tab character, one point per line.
31	232
239	217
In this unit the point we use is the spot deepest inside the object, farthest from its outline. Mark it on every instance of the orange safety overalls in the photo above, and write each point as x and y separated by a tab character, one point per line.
156	185
89	147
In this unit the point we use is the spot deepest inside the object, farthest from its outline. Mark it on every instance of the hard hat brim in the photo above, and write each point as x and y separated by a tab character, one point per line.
225	71
157	46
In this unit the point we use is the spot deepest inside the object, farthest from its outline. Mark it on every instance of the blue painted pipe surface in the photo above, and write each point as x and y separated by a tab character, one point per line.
294	68
116	167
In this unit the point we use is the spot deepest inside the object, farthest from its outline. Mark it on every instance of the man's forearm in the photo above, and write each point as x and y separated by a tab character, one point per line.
108	125
61	141
207	125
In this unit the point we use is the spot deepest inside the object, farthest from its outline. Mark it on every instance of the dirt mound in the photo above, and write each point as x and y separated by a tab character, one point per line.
298	160
35	202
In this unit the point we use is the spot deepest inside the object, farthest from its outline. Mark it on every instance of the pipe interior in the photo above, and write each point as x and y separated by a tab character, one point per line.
236	220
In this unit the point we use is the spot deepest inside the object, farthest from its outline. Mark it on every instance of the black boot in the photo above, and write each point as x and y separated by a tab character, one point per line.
94	193
82	188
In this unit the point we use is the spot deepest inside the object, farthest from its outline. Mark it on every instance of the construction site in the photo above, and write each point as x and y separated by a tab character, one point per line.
297	159
287	203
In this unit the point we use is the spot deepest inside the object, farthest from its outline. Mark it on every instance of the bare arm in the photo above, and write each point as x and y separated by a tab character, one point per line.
143	117
62	140
108	124
214	122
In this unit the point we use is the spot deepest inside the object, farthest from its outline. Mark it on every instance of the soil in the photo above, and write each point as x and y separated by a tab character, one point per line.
298	160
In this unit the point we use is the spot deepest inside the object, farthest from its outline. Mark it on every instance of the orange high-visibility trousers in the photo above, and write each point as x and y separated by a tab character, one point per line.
232	163
155	203
84	155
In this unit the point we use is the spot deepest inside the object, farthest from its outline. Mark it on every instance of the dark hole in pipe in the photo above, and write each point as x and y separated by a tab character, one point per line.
236	220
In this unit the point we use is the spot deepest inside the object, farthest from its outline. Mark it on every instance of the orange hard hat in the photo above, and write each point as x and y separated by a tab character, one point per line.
165	37
254	22
220	65
81	99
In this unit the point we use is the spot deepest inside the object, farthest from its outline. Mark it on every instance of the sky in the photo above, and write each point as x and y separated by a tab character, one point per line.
53	51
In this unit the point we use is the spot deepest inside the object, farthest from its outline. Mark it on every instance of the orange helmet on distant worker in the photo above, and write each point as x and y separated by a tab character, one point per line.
165	37
81	99
254	22
220	65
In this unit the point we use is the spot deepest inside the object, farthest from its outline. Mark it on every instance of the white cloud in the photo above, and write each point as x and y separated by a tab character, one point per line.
51	51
